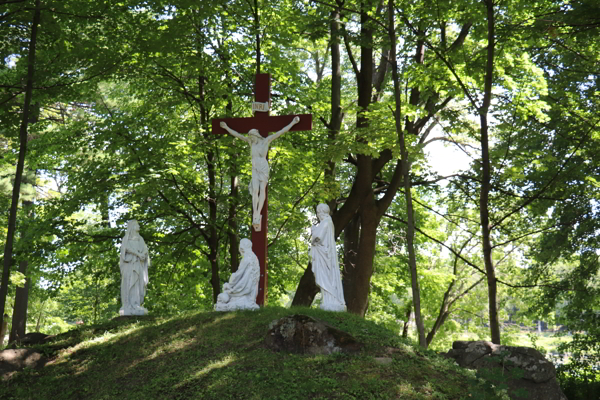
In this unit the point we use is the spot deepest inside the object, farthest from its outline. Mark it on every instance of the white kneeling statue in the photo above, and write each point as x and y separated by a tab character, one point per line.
134	263
241	290
325	263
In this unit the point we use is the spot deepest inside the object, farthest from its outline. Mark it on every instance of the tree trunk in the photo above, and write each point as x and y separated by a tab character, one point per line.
351	239
12	219
19	317
213	240
213	233
485	181
336	97
357	275
3	328
105	210
441	318
234	239
357	278
96	300
410	226
39	319
409	310
307	289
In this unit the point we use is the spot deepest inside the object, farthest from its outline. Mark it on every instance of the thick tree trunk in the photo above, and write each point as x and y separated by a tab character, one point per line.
351	239
12	218
3	328
19	317
307	289
357	277
485	181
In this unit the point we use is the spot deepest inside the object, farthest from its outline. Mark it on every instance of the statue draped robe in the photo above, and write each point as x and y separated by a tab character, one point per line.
326	267
134	276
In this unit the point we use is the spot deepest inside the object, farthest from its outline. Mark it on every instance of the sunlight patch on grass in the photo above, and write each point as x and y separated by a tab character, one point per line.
171	347
81	368
102	339
223	318
404	389
228	359
95	341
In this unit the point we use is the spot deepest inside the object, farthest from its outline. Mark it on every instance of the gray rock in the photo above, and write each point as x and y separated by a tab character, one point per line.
305	335
383	360
12	360
538	374
35	338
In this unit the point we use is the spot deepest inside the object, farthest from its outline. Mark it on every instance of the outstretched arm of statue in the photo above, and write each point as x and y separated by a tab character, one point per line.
284	130
233	133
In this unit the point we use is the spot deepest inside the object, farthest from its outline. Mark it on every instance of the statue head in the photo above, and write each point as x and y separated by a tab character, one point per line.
132	227
245	246
322	211
254	132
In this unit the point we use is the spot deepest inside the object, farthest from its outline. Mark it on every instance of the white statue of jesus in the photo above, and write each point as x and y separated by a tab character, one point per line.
259	147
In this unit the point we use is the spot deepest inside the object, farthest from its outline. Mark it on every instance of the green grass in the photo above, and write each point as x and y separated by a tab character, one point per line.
209	355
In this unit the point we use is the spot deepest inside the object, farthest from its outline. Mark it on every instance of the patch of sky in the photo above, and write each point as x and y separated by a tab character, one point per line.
11	60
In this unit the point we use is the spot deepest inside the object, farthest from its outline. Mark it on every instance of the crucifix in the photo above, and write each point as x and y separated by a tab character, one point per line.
259	126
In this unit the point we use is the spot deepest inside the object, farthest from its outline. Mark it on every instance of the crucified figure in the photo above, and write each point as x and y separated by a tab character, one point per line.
259	147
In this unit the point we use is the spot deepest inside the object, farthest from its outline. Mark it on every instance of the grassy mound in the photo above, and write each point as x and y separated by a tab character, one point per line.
221	356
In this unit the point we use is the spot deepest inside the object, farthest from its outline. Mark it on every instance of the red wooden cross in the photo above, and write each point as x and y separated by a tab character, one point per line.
265	124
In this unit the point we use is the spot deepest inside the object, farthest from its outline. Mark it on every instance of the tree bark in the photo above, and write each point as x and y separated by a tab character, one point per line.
213	240
407	320
19	317
39	319
351	238
486	178
12	219
307	289
357	275
357	279
336	99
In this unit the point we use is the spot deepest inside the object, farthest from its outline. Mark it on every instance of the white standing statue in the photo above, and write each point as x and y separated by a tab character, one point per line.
241	290
325	263
259	147
134	263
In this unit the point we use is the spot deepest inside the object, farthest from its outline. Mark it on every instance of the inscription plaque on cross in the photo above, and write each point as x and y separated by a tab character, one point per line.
264	123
